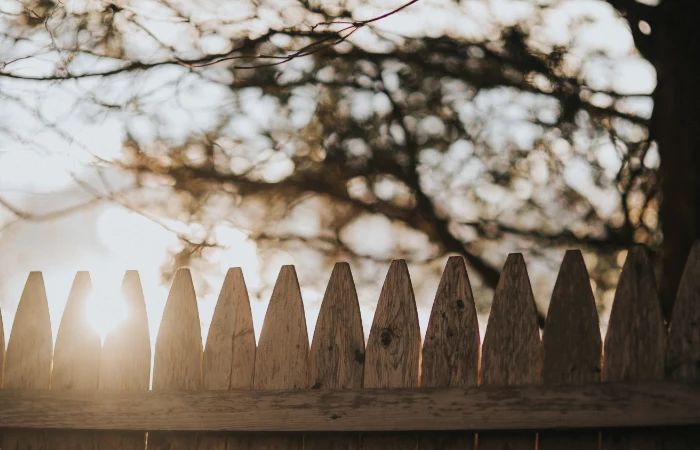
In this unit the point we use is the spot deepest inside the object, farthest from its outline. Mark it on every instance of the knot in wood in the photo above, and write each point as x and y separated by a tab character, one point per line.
460	303
386	337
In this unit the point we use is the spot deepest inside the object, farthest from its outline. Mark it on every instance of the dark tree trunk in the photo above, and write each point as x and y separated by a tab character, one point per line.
676	128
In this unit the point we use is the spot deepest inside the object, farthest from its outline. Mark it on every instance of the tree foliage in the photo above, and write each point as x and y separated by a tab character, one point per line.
466	127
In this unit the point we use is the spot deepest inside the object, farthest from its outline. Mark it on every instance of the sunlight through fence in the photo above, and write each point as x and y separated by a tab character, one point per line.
516	390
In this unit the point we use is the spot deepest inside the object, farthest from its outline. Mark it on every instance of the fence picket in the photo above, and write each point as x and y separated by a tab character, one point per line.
281	361
635	341
229	356
126	361
76	360
178	358
2	350
451	348
683	357
511	349
337	354
393	348
571	344
28	356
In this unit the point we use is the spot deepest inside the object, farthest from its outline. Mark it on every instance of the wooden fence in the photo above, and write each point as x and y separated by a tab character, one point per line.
515	391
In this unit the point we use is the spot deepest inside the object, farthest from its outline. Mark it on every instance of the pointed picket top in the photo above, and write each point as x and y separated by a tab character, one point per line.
126	356
281	360
338	346
178	359
510	355
126	361
683	353
571	344
683	357
76	359
337	353
393	348
28	356
451	348
511	349
635	341
229	357
29	351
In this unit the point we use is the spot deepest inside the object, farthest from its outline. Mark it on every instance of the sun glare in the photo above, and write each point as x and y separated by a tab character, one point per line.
105	312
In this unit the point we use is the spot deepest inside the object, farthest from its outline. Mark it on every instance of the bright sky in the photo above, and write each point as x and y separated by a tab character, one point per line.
36	171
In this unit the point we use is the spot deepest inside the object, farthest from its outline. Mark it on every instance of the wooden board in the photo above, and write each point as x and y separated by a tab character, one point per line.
635	341
229	357
28	356
337	353
2	349
531	407
683	354
571	344
281	361
178	359
76	359
393	348
126	361
511	350
451	348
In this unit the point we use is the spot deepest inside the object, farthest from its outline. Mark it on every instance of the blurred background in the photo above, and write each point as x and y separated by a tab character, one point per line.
159	134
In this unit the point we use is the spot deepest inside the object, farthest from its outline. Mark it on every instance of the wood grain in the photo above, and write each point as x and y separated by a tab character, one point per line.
76	359
2	358
683	354
178	359
337	354
2	349
530	407
511	350
393	348
281	361
28	356
451	347
635	341
572	348
229	356
126	360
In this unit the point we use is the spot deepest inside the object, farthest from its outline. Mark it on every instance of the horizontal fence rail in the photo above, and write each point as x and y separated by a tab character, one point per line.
442	409
517	390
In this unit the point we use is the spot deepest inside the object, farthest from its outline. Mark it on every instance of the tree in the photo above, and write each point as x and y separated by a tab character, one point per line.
312	125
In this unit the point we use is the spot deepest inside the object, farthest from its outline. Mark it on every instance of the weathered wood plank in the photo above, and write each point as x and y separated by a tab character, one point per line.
337	354
572	348
2	357
2	349
393	349
76	359
531	407
281	361
126	361
683	354
451	347
229	356
511	350
28	356
178	359
635	341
